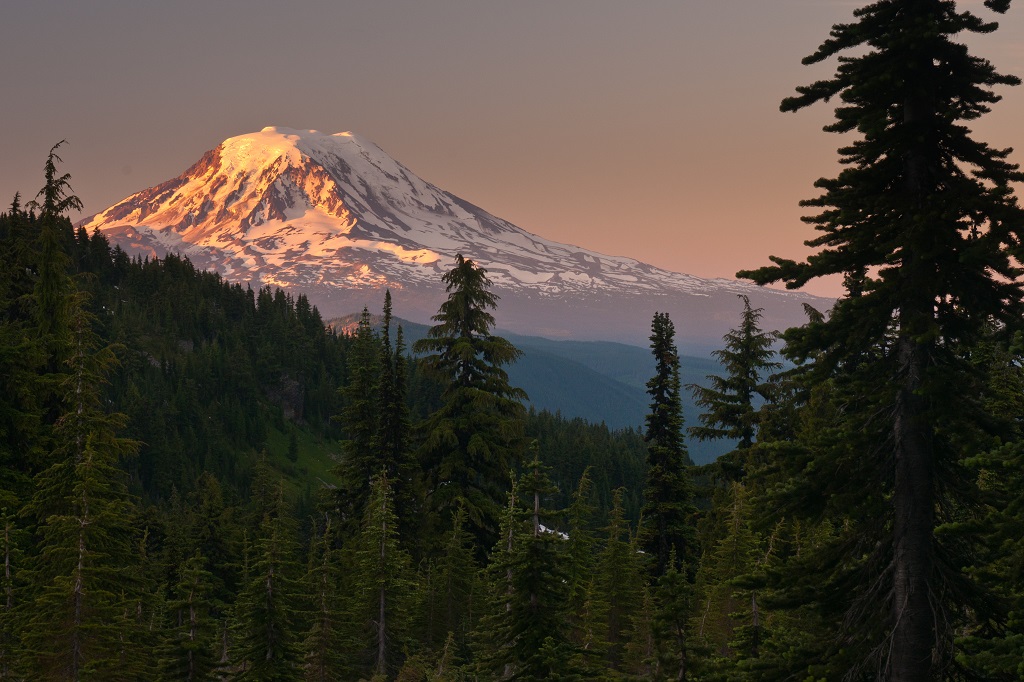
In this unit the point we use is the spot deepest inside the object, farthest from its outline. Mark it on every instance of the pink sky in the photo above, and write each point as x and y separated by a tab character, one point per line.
643	128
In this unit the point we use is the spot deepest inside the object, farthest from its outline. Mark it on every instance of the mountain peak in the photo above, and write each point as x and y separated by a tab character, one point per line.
334	214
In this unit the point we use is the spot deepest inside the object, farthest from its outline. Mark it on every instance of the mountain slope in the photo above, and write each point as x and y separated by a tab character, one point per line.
337	218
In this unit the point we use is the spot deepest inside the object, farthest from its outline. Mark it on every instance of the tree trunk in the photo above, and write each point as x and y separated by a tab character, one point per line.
913	622
382	595
913	500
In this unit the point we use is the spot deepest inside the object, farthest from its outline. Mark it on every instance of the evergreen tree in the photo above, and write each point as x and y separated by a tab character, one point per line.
922	224
391	442
580	561
668	511
453	589
359	459
474	438
619	586
525	632
726	608
52	292
382	600
991	649
12	539
323	651
670	622
22	357
730	400
266	609
541	646
78	626
79	622
189	653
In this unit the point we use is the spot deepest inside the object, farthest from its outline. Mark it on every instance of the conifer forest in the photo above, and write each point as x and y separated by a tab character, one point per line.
202	480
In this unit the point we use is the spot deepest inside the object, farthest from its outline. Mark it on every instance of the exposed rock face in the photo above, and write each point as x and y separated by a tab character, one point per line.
335	217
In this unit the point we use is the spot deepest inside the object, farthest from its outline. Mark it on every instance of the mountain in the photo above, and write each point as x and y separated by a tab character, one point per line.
335	217
600	381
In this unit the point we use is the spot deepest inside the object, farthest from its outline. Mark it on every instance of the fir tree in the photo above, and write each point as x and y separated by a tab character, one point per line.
391	442
12	541
359	459
668	511
53	286
382	599
580	560
453	588
730	400
189	652
474	438
323	651
670	622
922	224
525	633
618	586
266	609
725	608
77	627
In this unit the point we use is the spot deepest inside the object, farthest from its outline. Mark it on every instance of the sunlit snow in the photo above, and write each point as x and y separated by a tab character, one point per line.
295	207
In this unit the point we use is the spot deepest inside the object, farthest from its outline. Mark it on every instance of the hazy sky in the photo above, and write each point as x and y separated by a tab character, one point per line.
643	128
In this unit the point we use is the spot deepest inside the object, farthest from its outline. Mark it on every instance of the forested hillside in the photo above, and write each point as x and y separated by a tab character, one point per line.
202	481
199	413
199	481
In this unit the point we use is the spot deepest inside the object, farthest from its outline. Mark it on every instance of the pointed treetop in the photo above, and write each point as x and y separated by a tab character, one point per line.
56	200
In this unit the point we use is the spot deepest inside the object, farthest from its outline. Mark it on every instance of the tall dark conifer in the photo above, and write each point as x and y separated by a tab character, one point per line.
474	439
668	511
79	621
52	290
383	588
525	633
324	658
189	651
922	224
266	611
359	417
730	400
391	442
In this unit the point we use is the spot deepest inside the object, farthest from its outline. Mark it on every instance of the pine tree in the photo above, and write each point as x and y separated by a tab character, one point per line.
922	224
474	438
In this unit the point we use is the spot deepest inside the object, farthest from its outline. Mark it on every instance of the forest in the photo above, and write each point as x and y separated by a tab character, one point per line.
202	481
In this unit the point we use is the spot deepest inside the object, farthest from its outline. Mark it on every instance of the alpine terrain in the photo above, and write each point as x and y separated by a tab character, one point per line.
335	217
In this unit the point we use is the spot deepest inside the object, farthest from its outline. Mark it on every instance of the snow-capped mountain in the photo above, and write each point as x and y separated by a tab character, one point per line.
337	218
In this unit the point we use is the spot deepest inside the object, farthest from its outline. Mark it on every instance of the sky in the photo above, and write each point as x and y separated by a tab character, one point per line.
641	128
